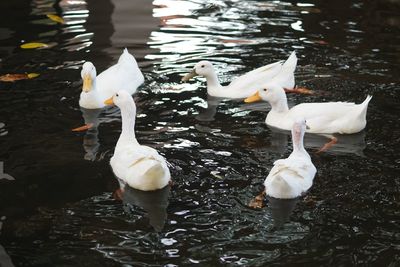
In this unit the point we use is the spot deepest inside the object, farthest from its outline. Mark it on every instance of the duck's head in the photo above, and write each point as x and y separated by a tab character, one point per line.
299	125
271	93
88	75
121	99
298	129
203	68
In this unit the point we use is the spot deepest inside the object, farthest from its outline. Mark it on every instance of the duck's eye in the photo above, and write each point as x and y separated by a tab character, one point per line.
116	95
202	66
265	89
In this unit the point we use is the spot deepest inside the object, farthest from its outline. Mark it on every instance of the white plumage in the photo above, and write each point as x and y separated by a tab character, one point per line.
141	167
328	118
291	177
249	83
125	75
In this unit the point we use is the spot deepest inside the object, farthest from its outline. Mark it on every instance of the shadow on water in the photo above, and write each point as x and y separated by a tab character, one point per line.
154	203
59	210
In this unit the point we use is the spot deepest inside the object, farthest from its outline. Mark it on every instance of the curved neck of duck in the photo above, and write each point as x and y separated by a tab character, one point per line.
280	105
212	82
297	139
128	115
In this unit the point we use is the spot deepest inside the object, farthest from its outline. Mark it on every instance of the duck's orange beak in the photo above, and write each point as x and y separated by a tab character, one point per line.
109	101
87	83
254	98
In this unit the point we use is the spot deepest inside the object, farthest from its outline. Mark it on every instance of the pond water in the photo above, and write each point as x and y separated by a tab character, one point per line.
60	209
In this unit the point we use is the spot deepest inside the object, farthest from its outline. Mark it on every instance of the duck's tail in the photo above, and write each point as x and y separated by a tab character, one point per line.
154	171
285	77
363	107
290	64
280	188
126	57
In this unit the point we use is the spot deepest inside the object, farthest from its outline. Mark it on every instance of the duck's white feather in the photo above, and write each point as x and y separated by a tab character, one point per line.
328	118
291	177
250	82
141	167
247	84
125	75
285	78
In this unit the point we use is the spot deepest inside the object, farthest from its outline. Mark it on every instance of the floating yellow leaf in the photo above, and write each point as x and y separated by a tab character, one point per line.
17	77
33	45
56	18
33	75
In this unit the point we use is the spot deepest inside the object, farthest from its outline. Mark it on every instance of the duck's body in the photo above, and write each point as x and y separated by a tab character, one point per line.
249	83
329	117
291	177
141	167
125	75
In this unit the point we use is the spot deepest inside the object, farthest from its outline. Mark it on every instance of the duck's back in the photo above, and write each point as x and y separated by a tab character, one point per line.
141	167
290	177
125	75
332	117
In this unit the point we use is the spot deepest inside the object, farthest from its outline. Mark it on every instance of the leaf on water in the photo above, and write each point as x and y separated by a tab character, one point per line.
33	45
17	77
33	75
56	18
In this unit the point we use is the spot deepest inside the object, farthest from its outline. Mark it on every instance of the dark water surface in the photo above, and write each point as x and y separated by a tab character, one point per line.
59	210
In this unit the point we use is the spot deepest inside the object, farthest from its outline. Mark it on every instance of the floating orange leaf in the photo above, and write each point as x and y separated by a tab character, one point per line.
56	18
83	128
33	45
17	77
33	75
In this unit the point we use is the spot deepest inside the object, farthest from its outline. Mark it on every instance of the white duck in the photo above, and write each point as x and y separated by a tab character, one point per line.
141	167
249	83
124	75
293	176
324	118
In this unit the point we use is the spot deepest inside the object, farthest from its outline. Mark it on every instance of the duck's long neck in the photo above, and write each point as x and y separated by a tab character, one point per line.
128	114
212	82
280	104
297	139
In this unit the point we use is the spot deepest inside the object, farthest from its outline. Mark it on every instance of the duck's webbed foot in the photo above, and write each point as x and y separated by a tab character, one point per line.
299	90
118	193
327	145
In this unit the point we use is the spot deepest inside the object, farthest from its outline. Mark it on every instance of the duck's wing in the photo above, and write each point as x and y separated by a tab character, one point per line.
257	77
137	154
324	117
125	75
294	167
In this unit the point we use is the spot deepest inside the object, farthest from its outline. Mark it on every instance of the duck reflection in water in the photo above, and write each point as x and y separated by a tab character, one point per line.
5	260
91	140
281	209
345	144
154	203
208	114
